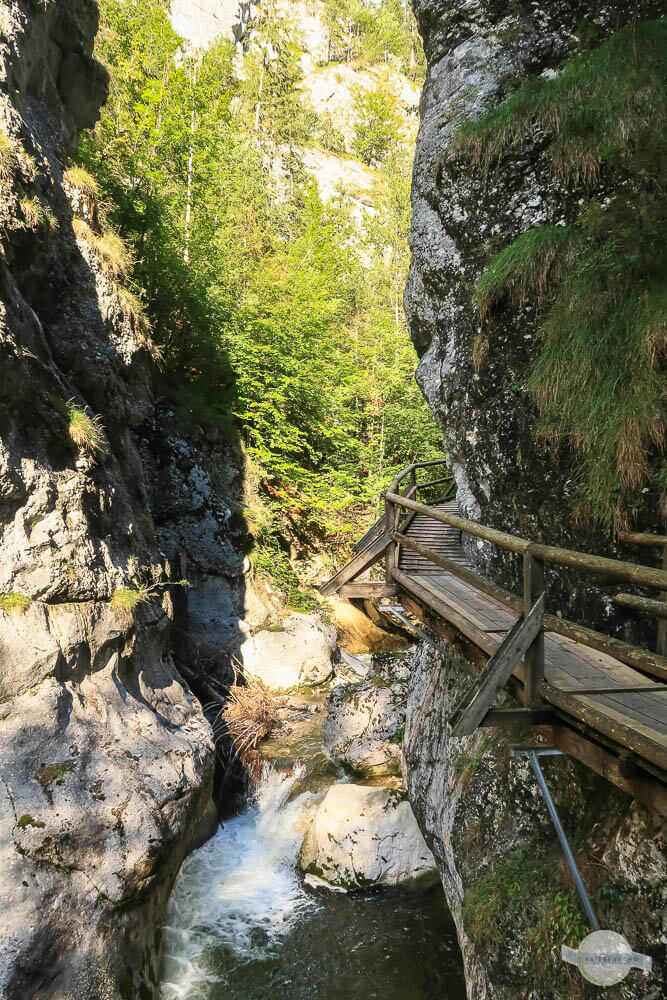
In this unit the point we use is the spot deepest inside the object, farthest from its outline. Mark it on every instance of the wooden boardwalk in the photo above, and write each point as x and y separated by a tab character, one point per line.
620	733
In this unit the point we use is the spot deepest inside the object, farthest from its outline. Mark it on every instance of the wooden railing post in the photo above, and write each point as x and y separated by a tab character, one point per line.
533	588
391	547
661	645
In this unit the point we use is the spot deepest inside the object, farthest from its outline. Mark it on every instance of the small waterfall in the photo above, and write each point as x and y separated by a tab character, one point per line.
239	892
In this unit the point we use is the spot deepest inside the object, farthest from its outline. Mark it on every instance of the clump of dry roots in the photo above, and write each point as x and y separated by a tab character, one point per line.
250	715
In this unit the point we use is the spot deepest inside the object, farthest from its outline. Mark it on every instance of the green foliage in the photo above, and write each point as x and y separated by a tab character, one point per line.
270	561
128	598
33	212
377	123
526	885
528	269
27	820
375	31
14	602
272	327
600	283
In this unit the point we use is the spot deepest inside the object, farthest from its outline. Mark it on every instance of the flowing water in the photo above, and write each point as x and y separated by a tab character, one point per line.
241	924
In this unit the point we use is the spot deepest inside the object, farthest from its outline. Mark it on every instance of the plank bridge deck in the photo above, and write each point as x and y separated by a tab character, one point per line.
638	721
625	729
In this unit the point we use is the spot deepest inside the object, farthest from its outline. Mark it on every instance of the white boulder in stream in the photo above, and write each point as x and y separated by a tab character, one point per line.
301	654
363	836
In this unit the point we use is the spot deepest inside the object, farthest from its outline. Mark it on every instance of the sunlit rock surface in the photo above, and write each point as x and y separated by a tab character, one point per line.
363	836
301	652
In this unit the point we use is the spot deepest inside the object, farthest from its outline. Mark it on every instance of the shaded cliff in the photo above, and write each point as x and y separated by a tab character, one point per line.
106	759
465	211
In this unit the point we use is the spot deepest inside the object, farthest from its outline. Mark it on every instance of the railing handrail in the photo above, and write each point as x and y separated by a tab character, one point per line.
412	469
641	538
643	576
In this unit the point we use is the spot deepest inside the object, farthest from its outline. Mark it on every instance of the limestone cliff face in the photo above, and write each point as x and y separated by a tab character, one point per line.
476	52
106	759
505	878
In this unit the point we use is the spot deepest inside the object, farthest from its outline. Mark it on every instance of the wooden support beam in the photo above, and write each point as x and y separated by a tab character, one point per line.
482	693
641	538
370	589
533	591
509	718
636	782
357	565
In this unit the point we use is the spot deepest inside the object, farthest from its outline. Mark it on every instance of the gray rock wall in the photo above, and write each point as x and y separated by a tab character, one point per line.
106	759
477	51
505	878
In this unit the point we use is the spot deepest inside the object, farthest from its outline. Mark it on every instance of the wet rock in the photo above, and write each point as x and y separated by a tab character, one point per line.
363	836
364	725
301	653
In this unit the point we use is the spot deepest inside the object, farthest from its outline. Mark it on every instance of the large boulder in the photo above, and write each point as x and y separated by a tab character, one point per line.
301	654
363	836
364	725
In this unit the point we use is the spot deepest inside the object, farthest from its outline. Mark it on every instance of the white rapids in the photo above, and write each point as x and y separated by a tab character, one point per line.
240	890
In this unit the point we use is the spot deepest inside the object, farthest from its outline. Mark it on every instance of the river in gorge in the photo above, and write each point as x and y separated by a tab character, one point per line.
242	924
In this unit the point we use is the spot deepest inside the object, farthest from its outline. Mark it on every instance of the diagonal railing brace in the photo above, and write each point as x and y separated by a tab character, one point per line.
482	693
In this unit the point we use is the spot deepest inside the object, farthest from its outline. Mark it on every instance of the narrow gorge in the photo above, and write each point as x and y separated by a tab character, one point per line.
262	264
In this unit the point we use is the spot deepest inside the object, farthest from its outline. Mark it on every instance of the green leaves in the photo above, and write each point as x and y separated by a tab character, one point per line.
279	320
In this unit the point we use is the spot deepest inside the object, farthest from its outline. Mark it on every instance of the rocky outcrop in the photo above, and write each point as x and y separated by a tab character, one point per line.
505	878
506	477
106	759
302	652
365	720
362	837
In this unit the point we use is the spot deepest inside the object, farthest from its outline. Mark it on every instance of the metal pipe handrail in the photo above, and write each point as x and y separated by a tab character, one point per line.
644	576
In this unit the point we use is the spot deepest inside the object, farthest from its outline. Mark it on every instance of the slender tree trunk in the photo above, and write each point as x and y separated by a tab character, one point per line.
259	98
191	154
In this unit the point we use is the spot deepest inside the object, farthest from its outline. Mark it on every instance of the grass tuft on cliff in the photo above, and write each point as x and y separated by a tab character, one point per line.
113	253
527	269
8	160
128	599
599	284
86	432
82	181
14	603
602	108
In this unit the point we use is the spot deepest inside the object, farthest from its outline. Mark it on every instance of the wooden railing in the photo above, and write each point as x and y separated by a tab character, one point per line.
393	521
535	555
643	604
